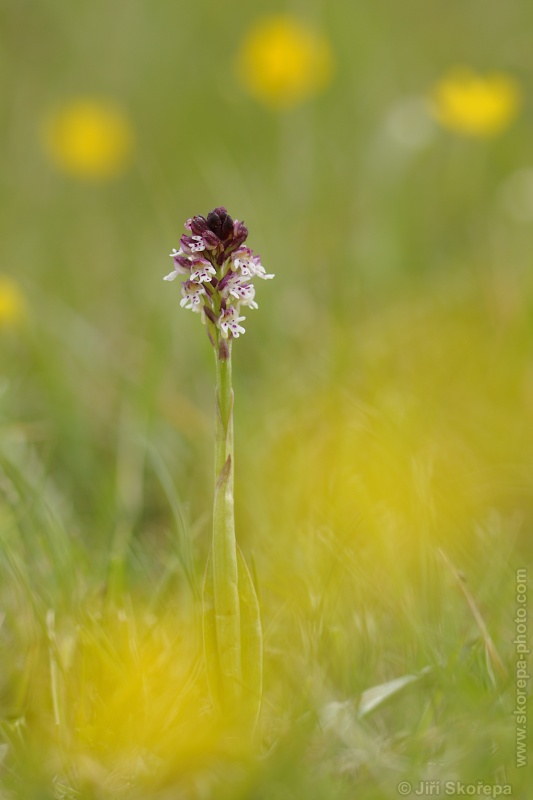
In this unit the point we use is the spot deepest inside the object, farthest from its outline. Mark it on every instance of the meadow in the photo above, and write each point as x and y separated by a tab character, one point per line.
380	155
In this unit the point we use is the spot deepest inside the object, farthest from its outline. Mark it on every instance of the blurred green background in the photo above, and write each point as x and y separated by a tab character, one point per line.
380	155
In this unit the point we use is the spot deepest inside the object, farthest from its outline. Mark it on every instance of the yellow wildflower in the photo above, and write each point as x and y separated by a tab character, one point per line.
12	303
89	139
475	105
283	62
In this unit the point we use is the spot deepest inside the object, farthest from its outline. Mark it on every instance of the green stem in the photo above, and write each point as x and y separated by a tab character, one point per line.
224	552
224	410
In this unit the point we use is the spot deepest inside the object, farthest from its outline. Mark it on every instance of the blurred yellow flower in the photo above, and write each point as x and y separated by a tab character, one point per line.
12	303
475	105
283	62
89	139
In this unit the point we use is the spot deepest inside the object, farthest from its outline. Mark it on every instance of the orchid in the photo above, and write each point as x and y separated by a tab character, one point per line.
219	271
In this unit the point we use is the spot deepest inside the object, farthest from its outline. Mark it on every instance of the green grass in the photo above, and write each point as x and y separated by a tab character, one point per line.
384	405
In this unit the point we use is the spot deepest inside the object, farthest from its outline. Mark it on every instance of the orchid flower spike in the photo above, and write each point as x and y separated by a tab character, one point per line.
219	271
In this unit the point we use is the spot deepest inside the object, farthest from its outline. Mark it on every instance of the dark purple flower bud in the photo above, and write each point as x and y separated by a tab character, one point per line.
198	225
211	240
240	233
220	222
224	281
213	221
239	228
227	227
